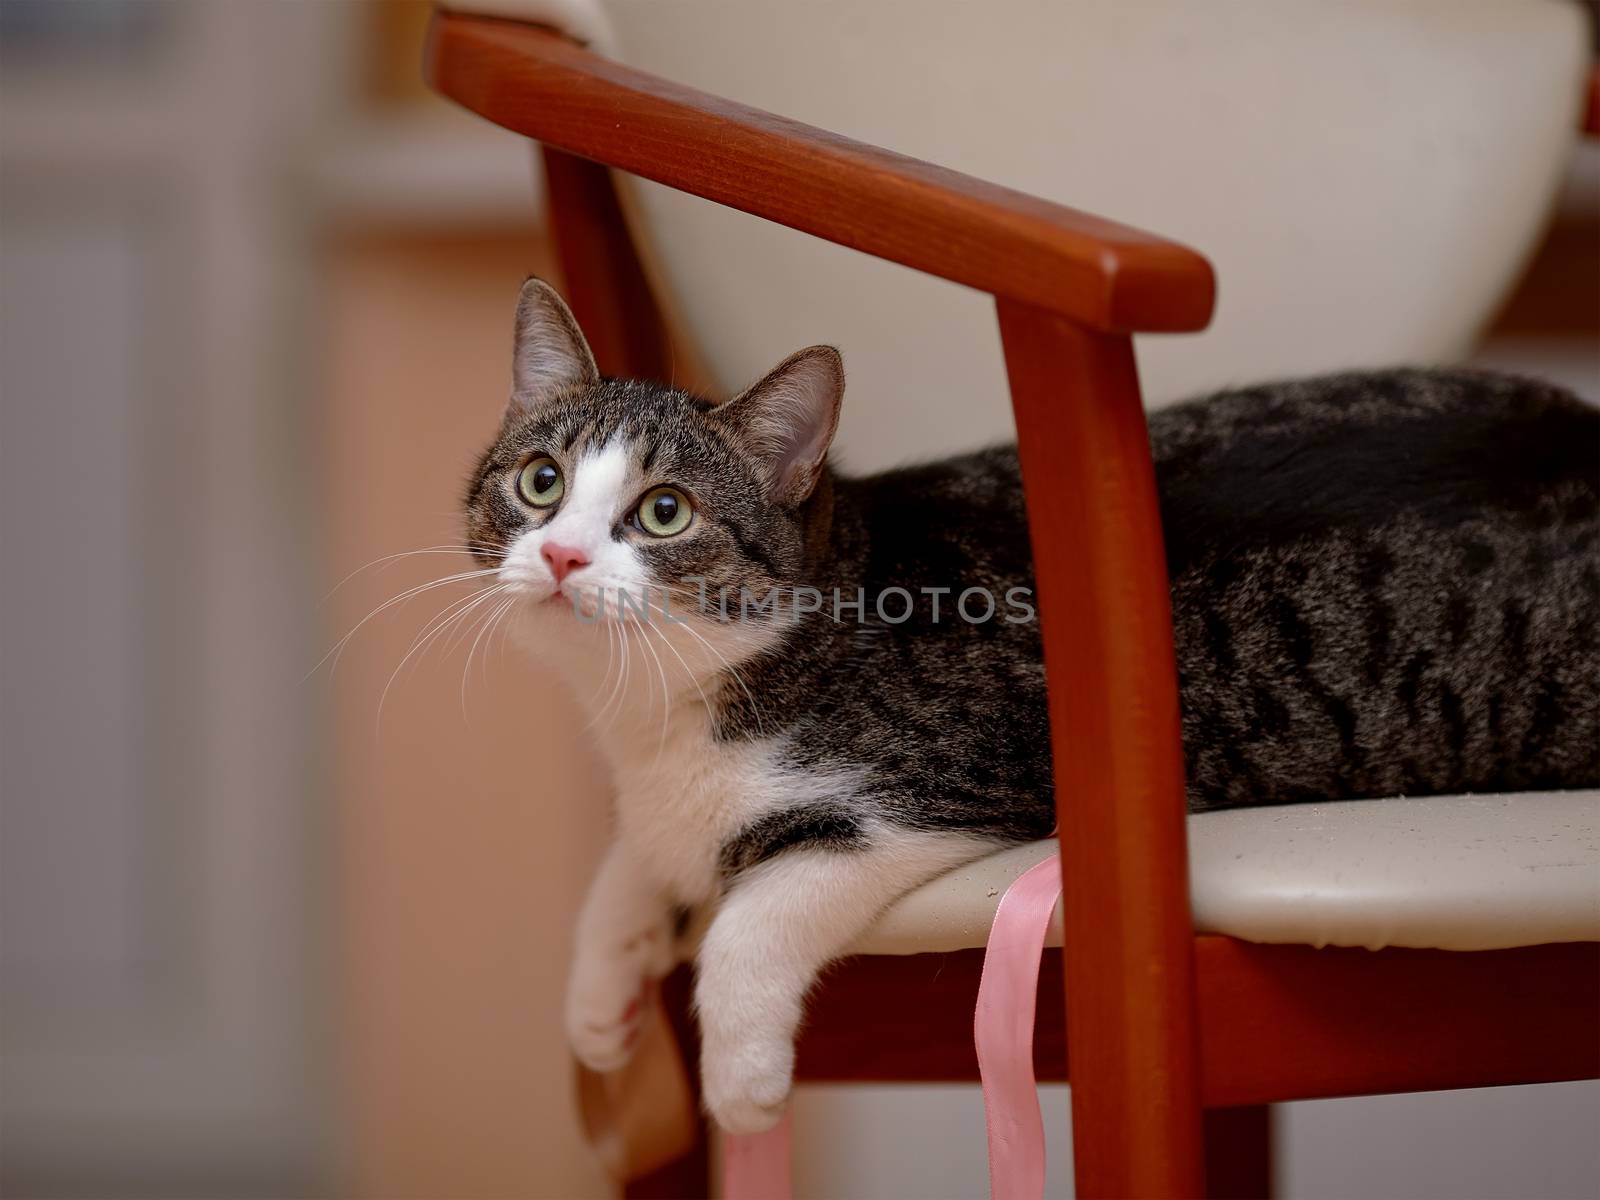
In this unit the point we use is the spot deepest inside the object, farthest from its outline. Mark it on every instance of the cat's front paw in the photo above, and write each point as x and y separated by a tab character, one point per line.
603	1028
611	990
746	1083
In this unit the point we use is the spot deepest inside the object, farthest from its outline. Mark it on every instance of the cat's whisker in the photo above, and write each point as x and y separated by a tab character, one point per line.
443	548
627	664
436	624
502	623
613	629
611	653
616	687
497	628
687	670
503	634
463	632
431	634
339	647
649	680
624	676
666	691
484	627
457	617
337	650
755	709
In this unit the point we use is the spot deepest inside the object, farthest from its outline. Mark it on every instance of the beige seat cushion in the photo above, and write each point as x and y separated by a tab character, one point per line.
1447	872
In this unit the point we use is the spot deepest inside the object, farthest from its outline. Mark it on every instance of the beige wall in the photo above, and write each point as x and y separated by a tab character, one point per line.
466	840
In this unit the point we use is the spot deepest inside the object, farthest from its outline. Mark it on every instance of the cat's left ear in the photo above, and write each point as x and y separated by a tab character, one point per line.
787	421
549	352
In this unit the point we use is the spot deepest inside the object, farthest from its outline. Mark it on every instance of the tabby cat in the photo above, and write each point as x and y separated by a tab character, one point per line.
815	693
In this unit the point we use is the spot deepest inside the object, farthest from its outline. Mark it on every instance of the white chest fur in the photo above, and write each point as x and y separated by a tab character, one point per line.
681	792
679	797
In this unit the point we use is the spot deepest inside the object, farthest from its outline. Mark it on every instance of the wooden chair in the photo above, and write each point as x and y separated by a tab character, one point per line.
1176	1042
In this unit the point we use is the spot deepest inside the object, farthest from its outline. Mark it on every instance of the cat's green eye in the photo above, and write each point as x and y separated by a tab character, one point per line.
540	483
664	512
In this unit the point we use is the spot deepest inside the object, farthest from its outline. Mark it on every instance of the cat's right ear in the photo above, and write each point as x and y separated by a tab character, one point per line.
788	419
550	352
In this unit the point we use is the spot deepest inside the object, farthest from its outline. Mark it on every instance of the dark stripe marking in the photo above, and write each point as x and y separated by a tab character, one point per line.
808	826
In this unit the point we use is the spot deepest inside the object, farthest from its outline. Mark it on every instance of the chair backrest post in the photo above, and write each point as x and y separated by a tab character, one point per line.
1105	615
602	276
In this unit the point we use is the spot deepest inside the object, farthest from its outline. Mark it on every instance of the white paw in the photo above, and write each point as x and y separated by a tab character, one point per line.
746	1082
608	996
603	1029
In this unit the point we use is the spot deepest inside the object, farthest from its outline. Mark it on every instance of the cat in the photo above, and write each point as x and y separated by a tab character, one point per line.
815	693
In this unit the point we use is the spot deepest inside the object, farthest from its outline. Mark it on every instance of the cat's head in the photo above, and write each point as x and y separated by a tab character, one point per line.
640	488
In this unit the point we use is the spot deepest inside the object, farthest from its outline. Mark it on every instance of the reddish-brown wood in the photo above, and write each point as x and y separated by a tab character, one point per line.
1105	275
1277	1022
1239	1153
601	275
909	1019
1591	105
1105	617
1287	1022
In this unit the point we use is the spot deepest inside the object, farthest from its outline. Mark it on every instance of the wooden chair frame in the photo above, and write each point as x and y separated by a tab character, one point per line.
1160	1025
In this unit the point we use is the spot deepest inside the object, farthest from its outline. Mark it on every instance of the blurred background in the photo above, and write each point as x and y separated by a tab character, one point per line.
259	938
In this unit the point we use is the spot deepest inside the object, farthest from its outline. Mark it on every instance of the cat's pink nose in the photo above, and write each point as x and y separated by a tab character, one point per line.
563	560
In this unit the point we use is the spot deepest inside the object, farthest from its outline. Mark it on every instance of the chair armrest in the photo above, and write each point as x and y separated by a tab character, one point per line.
1102	275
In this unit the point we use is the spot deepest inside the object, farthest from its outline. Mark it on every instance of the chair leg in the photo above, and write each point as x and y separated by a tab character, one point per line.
1238	1145
1105	616
687	1178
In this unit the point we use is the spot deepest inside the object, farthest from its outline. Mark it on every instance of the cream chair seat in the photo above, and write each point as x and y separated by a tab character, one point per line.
1439	872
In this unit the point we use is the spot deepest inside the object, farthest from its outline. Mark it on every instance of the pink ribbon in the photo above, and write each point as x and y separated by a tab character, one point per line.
757	1166
1002	1028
